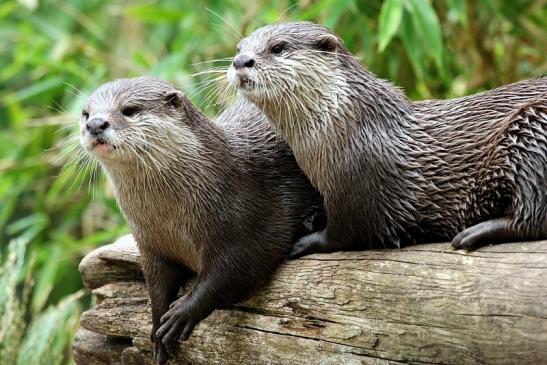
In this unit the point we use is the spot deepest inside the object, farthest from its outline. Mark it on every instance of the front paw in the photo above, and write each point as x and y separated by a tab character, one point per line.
301	248
160	353
177	323
311	243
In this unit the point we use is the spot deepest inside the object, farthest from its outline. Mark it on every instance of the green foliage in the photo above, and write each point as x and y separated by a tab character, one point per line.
54	53
389	21
43	340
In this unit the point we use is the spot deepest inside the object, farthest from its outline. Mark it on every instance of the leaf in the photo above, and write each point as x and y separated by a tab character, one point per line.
7	9
457	11
388	24
40	87
339	8
154	13
426	23
411	44
46	339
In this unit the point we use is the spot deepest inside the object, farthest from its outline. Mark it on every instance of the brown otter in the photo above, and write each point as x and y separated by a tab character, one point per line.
224	199
392	171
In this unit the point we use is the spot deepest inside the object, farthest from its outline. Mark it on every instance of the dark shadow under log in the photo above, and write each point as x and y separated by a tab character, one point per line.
426	304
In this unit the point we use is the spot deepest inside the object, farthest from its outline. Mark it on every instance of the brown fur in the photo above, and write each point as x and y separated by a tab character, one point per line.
224	199
393	171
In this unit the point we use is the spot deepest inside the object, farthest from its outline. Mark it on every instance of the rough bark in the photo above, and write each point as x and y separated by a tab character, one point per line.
424	304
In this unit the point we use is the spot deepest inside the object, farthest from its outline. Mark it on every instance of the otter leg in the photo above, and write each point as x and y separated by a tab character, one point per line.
312	243
492	231
224	281
213	287
179	322
163	280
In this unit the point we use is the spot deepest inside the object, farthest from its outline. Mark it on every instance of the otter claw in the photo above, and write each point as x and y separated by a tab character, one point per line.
176	324
160	353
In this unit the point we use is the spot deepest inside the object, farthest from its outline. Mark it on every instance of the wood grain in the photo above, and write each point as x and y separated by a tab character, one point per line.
425	304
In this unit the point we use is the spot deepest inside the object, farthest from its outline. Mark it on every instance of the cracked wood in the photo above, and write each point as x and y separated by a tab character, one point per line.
425	304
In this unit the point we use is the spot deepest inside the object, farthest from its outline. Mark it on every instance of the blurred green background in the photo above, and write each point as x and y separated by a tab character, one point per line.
55	53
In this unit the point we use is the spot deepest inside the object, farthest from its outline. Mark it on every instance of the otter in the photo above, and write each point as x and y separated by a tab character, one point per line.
472	170
224	199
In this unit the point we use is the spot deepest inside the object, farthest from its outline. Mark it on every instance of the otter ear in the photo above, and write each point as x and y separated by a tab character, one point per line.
173	98
327	43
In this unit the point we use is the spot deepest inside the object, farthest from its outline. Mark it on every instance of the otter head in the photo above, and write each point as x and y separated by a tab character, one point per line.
135	120
292	65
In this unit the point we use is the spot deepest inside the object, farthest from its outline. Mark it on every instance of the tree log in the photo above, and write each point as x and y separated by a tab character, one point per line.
425	304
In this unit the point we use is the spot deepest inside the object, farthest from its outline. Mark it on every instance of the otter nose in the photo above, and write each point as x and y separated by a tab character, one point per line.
243	61
96	126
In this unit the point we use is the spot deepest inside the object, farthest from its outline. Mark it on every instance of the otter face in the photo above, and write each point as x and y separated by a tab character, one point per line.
129	119
282	62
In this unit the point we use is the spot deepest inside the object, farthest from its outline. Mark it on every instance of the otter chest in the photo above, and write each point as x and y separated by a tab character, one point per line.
162	230
322	158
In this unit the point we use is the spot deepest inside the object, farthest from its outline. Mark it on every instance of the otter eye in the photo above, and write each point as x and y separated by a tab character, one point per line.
130	111
85	114
278	48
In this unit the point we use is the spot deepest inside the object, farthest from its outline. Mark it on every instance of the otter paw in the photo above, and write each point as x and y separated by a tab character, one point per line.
317	221
311	243
301	248
160	353
176	324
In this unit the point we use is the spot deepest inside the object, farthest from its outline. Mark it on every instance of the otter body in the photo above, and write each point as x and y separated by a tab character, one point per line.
224	199
391	171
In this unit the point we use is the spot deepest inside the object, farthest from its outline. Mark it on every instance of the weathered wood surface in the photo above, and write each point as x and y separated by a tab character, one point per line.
425	304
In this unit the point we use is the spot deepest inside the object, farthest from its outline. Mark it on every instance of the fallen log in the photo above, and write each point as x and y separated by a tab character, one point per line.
426	304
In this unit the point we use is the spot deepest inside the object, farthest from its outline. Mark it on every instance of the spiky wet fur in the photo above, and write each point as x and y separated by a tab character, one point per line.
394	171
222	198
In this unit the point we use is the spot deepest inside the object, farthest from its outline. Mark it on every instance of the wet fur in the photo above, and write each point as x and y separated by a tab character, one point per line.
394	171
224	199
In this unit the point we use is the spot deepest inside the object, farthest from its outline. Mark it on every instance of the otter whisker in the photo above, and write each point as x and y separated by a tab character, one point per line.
213	61
65	127
219	94
207	84
330	53
86	163
70	141
237	33
92	181
61	110
207	81
228	96
215	70
78	92
140	148
285	11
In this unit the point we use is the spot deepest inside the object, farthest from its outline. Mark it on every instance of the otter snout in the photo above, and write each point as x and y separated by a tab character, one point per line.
97	136
97	126
242	74
242	61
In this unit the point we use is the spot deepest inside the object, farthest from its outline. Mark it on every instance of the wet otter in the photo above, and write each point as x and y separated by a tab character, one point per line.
392	171
224	199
